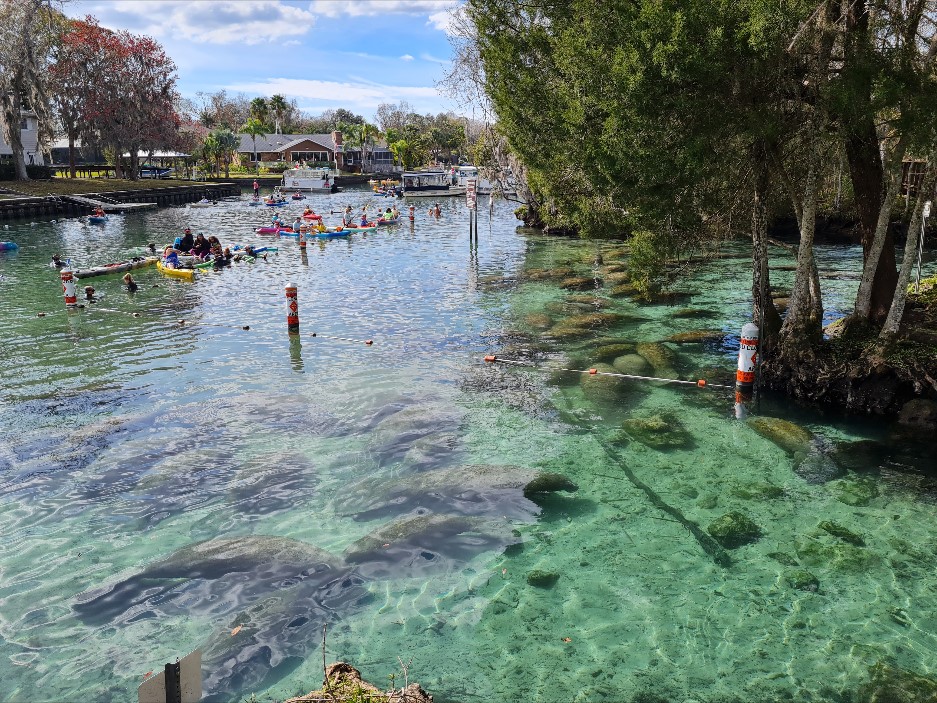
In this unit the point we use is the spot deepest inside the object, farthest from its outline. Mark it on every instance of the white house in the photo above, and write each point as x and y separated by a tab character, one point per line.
29	133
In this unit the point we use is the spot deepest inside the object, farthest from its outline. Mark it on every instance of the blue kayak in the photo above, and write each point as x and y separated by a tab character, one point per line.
8	246
97	219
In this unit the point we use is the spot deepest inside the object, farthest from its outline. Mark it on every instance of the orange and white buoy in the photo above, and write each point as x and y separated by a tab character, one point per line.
292	308
745	375
68	287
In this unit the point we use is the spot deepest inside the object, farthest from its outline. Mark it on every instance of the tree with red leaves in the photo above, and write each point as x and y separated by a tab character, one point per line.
116	89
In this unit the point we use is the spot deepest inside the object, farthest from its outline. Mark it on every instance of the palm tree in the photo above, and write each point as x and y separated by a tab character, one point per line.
226	143
210	151
278	106
368	133
255	128
259	110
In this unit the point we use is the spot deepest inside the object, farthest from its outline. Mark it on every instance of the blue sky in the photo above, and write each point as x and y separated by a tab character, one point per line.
324	54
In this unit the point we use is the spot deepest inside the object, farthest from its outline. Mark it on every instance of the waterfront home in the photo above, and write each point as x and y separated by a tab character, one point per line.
325	150
29	133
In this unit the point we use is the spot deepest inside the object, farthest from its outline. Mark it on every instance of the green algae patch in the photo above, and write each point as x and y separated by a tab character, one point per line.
658	356
891	684
632	364
802	580
580	283
757	491
542	579
540	321
663	431
839	556
697	337
857	492
789	436
734	530
842	533
607	353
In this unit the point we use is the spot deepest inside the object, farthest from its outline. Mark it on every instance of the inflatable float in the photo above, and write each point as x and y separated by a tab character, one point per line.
118	267
8	246
97	219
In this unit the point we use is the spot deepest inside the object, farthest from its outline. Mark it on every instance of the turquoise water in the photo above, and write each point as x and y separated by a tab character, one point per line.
129	439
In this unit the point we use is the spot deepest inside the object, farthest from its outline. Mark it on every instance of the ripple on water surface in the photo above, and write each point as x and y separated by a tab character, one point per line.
168	485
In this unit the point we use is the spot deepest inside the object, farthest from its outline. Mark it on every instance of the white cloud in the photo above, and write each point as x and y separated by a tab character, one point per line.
406	57
370	8
433	59
217	22
442	20
352	95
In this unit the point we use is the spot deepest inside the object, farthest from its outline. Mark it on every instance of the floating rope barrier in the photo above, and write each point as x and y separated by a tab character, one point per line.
701	383
366	342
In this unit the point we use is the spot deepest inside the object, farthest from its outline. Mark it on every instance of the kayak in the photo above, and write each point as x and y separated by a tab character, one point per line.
330	233
274	230
358	228
188	274
312	216
257	250
118	267
274	203
210	264
97	219
8	246
297	196
393	221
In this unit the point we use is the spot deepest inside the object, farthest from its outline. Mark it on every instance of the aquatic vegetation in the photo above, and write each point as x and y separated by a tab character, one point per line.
734	529
662	431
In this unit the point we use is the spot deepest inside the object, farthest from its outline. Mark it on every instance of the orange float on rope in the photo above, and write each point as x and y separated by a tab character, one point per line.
369	342
701	383
491	357
593	372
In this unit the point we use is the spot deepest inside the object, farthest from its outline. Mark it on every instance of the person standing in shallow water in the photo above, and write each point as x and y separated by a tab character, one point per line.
256	189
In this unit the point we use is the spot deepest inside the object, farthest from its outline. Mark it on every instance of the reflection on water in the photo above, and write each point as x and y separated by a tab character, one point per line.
170	485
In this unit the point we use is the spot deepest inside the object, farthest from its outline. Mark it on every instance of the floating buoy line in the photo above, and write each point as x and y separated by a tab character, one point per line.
701	383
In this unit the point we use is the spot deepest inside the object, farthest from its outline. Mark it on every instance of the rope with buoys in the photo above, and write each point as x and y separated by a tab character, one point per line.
701	383
366	342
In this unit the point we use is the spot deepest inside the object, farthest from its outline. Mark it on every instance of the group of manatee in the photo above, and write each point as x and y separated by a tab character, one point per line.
269	596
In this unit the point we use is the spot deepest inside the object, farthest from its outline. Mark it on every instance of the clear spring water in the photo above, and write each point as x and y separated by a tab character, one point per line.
125	439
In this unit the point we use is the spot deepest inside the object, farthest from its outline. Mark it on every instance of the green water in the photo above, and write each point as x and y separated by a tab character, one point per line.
125	439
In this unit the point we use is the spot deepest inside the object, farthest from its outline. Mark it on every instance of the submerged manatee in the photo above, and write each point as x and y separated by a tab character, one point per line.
202	574
811	454
463	490
418	543
269	638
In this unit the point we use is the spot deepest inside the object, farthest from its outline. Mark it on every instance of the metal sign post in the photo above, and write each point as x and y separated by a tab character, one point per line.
177	683
920	246
471	199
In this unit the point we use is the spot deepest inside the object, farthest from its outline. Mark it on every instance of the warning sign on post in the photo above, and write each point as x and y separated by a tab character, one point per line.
471	189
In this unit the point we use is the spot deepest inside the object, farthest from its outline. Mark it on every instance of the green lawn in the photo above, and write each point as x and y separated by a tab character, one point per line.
77	186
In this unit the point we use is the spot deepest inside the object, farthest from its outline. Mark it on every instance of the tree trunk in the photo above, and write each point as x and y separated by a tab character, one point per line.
896	310
134	163
866	172
880	238
765	314
802	326
71	153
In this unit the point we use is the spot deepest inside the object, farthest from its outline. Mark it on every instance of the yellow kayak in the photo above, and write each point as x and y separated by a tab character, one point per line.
188	274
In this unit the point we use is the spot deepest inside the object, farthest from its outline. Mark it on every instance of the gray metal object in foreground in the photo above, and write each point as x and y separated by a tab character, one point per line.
179	683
